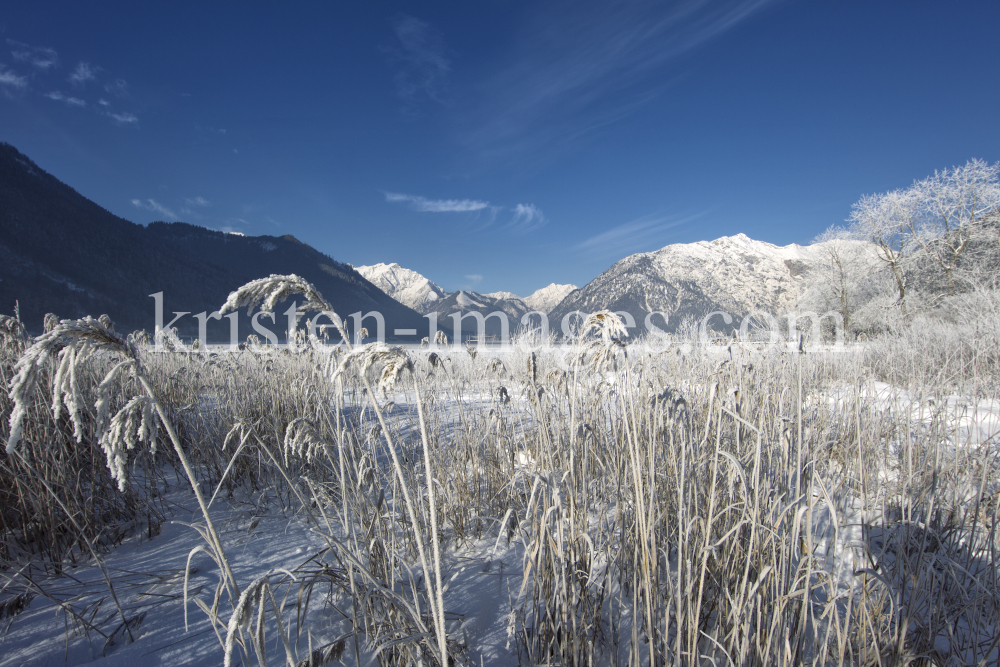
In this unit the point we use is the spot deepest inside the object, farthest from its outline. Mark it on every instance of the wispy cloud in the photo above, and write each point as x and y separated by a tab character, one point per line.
419	58
474	278
45	60
155	206
578	65
526	218
118	88
641	235
10	79
41	57
71	101
438	205
125	118
83	73
192	206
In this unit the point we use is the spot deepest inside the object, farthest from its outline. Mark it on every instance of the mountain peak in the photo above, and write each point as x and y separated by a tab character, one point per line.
404	285
734	274
547	298
503	295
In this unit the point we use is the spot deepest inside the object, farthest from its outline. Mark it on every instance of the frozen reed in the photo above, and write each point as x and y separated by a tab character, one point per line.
723	505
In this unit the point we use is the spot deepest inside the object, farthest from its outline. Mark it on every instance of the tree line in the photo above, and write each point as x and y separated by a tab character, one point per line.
929	250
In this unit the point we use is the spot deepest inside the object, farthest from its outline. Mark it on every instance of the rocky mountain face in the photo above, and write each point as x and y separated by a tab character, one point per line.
62	253
734	274
423	295
404	285
466	302
472	302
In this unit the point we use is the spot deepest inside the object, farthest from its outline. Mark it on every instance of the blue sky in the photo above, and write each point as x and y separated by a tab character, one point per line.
499	145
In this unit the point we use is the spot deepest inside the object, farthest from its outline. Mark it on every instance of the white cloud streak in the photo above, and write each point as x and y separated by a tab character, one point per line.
83	73
526	218
45	59
11	79
579	65
71	101
197	201
641	235
155	206
40	57
125	118
437	205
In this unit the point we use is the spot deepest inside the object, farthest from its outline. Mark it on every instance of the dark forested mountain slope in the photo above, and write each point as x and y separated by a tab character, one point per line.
62	253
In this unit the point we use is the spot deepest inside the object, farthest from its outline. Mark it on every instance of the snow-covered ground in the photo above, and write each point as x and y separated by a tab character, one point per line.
967	421
148	577
484	578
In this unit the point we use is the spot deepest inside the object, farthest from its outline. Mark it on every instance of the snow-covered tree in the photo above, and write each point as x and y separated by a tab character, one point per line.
937	235
847	261
952	206
886	220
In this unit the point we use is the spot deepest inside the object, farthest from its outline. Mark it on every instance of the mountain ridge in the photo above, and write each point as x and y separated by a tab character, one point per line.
548	297
64	253
423	295
61	252
734	274
402	284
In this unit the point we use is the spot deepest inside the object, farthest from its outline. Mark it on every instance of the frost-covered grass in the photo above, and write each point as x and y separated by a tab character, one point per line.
594	504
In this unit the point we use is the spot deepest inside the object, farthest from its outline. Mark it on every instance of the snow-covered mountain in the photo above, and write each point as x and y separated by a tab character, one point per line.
503	295
423	295
547	298
404	285
418	292
466	302
735	274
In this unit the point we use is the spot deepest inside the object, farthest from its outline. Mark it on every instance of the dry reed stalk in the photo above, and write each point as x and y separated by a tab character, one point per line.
669	509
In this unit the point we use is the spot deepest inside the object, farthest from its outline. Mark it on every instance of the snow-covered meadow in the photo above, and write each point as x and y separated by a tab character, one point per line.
604	502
